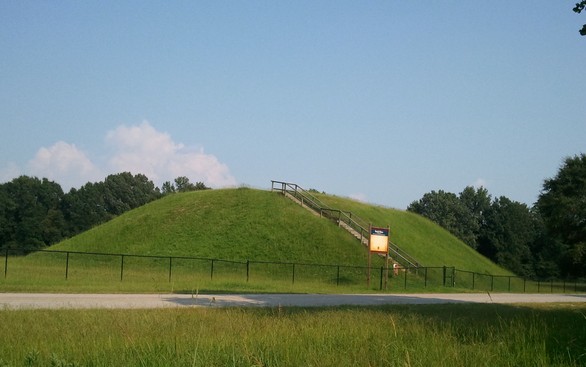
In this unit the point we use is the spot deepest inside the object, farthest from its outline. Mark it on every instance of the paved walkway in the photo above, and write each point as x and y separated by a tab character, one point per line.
136	301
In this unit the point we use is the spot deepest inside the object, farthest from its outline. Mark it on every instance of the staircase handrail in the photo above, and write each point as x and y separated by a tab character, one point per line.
353	221
300	194
399	255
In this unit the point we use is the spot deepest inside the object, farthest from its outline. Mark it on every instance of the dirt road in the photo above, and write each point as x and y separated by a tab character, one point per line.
136	301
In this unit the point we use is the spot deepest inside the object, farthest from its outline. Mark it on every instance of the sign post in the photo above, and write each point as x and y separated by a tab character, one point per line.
378	242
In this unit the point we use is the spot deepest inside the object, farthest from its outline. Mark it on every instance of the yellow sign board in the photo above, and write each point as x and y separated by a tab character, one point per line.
379	240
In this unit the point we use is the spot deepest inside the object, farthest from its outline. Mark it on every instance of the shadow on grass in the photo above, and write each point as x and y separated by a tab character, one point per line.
302	300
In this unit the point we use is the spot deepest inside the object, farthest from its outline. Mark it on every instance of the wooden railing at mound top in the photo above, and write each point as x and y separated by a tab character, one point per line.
346	219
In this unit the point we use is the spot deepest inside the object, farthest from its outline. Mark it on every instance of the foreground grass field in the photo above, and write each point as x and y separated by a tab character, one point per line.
417	335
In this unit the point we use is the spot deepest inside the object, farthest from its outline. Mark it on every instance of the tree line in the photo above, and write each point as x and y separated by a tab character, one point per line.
35	213
547	240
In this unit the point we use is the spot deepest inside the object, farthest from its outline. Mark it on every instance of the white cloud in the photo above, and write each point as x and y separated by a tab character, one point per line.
480	182
143	149
136	149
65	164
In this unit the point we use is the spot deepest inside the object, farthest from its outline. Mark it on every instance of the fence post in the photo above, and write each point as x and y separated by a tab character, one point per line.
212	270
67	266
293	279
6	263
524	285
425	277
121	267
247	270
381	278
492	283
473	279
453	276
509	284
444	276
338	277
170	266
405	271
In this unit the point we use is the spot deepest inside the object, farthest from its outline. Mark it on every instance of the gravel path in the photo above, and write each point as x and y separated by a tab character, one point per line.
137	301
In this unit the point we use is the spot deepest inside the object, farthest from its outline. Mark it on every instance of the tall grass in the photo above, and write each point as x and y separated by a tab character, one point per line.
418	335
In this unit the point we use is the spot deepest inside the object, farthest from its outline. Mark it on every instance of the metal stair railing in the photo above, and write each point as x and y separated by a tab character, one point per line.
302	195
402	257
359	225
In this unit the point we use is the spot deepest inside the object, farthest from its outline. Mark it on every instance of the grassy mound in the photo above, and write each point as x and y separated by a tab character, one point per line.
241	224
245	240
233	224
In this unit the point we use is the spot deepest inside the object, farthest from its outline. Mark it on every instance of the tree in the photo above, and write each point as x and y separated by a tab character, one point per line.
31	214
477	202
507	235
167	188
503	230
562	205
85	207
547	252
578	9
182	184
447	210
7	220
201	186
123	192
96	203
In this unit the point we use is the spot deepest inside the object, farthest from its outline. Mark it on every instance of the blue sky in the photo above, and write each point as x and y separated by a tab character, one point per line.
382	101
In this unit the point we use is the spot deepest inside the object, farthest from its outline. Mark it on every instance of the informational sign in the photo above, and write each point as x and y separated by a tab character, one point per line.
379	240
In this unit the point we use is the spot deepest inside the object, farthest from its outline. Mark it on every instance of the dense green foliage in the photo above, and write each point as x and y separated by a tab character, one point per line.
400	335
36	213
562	205
548	240
451	212
500	229
30	213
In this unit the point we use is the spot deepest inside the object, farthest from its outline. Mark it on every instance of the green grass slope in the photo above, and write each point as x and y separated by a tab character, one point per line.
421	238
233	224
242	224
